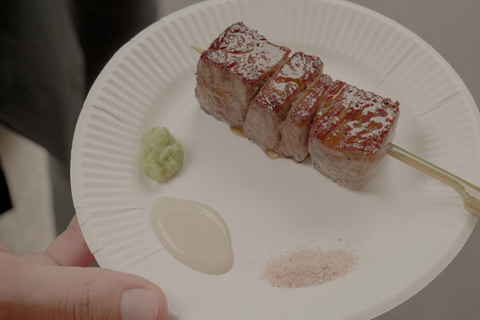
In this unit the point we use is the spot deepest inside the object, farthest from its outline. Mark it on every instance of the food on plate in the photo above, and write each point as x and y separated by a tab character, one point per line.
161	155
194	233
298	111
296	128
349	140
307	267
270	107
232	70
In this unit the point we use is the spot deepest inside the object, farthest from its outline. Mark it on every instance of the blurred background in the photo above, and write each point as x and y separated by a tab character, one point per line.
450	27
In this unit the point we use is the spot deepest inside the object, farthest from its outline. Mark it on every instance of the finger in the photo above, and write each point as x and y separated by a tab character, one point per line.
70	248
72	293
3	249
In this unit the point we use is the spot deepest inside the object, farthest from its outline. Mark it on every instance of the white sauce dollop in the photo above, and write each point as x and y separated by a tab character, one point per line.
193	233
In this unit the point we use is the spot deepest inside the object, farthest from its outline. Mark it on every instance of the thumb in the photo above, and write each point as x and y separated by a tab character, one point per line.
64	293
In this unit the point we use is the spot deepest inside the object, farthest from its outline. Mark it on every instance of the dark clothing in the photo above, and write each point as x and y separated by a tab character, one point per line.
42	73
50	53
5	200
104	26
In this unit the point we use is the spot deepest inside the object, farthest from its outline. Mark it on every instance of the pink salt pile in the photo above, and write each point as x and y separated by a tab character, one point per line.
308	267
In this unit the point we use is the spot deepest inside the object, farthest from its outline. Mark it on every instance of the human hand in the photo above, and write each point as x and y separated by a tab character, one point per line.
57	285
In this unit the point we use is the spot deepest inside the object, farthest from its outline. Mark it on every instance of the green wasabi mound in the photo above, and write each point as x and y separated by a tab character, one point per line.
161	155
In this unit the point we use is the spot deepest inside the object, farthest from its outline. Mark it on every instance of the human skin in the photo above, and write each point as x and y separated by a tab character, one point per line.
60	285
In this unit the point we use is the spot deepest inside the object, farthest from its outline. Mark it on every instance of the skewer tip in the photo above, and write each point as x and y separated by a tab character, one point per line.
198	49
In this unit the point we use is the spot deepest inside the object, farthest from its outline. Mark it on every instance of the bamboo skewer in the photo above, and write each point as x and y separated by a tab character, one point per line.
198	49
469	193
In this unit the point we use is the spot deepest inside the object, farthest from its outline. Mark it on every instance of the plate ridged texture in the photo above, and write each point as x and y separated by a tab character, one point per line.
405	227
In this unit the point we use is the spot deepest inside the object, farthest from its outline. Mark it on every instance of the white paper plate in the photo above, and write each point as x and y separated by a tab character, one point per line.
405	227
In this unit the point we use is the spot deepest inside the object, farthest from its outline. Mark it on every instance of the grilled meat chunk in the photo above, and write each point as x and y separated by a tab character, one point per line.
232	70
286	105
296	128
349	139
270	107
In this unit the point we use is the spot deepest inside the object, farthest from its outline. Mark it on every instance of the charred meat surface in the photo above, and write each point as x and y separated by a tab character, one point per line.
296	128
286	105
232	70
272	104
349	139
